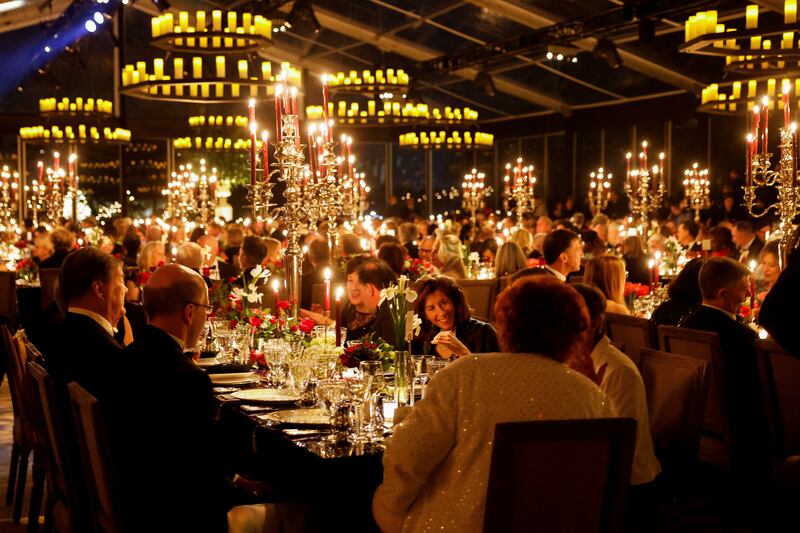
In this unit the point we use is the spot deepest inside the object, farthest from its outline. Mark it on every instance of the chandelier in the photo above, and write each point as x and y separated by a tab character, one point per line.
213	144
218	121
696	186
644	186
519	187
473	192
367	81
385	112
599	190
65	106
81	133
191	32
191	194
453	140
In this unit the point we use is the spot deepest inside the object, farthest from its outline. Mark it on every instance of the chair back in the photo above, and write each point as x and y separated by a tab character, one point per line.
632	332
704	345
93	441
59	472
47	279
19	385
534	471
8	295
481	294
676	388
780	374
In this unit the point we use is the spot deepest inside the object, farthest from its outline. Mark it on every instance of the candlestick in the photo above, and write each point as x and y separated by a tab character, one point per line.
327	301
275	292
312	150
337	315
278	132
265	156
785	97
325	100
253	128
765	110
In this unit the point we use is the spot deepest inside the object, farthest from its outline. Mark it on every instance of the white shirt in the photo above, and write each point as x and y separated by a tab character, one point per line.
105	324
624	389
436	465
556	273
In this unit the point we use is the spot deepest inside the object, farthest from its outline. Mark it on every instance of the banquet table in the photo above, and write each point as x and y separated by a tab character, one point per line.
336	483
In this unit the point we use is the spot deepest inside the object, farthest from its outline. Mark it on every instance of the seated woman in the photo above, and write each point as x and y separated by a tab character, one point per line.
510	258
684	296
446	322
721	242
436	465
607	273
448	256
635	260
770	269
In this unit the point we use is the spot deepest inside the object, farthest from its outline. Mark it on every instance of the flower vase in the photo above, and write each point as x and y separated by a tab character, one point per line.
403	378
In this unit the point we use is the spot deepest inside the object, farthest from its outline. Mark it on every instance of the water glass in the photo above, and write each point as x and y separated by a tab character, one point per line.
374	369
434	365
300	372
331	392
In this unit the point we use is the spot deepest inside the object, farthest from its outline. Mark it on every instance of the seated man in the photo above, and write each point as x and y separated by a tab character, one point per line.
562	253
251	255
217	268
724	284
190	255
163	442
82	347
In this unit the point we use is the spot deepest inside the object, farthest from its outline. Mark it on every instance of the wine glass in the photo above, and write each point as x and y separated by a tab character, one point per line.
331	392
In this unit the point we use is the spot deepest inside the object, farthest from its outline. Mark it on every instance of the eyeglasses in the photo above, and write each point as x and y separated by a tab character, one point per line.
209	308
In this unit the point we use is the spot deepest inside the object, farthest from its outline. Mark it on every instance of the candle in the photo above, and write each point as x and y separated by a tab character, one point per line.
350	158
327	301
651	267
765	110
72	158
278	134
325	98
785	97
790	11
756	121
749	159
275	292
644	154
265	156
296	117
337	315
311	150
628	166
251	108
752	286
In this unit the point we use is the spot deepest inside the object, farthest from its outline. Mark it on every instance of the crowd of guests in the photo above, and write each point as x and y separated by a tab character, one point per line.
141	294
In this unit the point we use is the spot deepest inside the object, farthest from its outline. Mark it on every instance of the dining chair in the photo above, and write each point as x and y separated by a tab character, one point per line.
47	280
780	374
481	295
40	454
23	438
704	345
93	440
632	332
676	387
64	510
561	475
8	297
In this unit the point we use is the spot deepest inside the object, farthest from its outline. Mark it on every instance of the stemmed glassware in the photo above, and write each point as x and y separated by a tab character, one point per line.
372	421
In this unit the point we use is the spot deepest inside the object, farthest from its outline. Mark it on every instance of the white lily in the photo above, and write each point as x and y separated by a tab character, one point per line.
413	325
474	257
411	295
207	254
401	283
387	294
238	293
254	296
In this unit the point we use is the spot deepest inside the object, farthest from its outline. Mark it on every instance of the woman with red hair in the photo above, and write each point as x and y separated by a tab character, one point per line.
436	465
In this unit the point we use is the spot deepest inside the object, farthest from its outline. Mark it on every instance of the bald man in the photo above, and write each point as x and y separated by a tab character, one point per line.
217	269
161	419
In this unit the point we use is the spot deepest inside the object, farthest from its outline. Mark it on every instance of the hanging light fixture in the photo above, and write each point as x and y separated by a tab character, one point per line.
83	106
443	139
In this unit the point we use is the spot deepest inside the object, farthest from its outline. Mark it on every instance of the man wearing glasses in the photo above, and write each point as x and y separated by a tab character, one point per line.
161	417
426	248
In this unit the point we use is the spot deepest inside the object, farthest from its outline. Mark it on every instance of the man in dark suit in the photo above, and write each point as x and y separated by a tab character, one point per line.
746	241
687	236
319	256
161	421
562	253
780	313
251	254
82	348
724	285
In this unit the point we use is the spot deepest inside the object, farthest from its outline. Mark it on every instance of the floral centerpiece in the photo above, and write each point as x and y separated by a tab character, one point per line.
406	325
417	268
368	349
634	291
26	269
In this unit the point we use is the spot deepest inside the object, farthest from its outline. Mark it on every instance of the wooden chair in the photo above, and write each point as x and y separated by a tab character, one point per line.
560	475
481	294
676	388
632	332
64	509
704	345
8	297
93	440
47	279
40	454
780	375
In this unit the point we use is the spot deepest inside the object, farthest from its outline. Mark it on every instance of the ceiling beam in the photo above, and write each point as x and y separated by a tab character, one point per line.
524	14
31	14
411	50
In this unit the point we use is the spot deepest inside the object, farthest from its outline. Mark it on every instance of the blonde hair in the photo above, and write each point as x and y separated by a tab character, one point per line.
509	259
524	239
450	255
607	273
145	260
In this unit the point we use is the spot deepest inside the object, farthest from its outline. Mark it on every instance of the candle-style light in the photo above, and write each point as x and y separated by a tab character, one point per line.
599	189
644	187
696	185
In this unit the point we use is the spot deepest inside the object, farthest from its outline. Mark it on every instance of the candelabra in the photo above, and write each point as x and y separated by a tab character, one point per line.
473	192
644	187
696	185
8	193
782	179
327	194
54	199
599	190
520	190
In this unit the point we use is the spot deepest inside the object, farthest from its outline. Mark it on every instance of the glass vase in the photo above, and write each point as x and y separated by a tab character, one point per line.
403	378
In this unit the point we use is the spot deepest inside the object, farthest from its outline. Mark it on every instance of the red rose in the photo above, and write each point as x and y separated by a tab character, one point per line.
283	305
257	357
255	321
294	327
142	278
233	323
273	321
307	325
232	279
347	360
21	244
206	272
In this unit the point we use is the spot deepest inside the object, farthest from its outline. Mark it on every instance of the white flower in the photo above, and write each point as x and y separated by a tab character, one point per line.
207	253
401	283
387	294
254	296
474	257
411	295
413	325
259	272
238	293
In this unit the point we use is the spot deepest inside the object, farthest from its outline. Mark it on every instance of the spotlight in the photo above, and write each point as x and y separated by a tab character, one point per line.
606	49
47	49
90	26
561	52
98	17
484	79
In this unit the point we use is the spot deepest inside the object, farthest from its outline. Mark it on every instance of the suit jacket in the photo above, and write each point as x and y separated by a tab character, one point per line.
752	251
532	271
226	270
55	260
79	349
161	430
780	312
750	455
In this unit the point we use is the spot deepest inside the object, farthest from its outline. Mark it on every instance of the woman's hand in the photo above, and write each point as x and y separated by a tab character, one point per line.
319	318
447	345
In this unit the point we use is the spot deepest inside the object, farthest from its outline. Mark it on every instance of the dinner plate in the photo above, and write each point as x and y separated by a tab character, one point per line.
233	379
267	395
300	417
211	361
